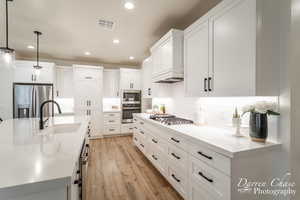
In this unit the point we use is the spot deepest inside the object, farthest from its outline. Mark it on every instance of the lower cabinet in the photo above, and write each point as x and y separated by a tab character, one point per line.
189	168
112	123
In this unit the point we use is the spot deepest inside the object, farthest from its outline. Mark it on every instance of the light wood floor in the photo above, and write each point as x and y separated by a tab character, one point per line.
119	171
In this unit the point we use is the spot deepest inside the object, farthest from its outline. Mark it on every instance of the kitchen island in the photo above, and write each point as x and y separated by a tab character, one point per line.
41	164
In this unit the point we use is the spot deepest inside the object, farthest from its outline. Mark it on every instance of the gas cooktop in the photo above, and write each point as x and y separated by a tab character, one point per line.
170	119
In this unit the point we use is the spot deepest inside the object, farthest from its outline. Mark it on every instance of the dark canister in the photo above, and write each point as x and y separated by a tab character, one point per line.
258	127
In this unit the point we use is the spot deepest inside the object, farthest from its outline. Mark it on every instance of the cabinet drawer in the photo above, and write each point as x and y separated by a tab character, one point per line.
178	141
157	142
142	145
158	158
178	157
216	183
127	128
197	192
111	130
211	157
112	115
112	121
178	180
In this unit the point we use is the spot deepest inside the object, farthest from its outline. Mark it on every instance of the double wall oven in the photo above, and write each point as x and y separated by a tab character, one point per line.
131	103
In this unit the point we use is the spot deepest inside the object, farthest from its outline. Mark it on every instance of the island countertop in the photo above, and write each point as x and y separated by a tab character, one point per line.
219	139
29	155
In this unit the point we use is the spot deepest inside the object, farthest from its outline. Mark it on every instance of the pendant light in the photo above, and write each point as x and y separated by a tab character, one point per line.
37	67
7	55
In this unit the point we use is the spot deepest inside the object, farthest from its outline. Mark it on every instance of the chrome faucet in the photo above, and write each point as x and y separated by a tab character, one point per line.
41	112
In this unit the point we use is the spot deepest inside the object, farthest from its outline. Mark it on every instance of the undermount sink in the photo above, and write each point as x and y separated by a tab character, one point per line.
61	129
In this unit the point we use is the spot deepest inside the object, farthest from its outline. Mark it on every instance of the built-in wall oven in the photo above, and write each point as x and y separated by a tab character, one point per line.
131	103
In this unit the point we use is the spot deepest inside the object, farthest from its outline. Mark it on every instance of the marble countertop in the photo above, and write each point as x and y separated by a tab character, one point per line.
29	155
219	139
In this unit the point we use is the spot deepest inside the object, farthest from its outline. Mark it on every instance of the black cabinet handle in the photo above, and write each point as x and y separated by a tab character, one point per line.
205	177
142	145
153	156
135	139
175	178
209	84
205	84
153	140
177	141
142	123
174	155
142	132
149	91
204	155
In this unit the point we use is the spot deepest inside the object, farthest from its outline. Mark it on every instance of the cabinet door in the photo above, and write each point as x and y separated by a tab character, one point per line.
196	49
111	83
136	79
130	79
156	55
146	78
96	123
234	50
64	82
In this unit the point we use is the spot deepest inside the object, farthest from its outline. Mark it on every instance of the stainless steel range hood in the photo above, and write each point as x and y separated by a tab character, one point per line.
168	77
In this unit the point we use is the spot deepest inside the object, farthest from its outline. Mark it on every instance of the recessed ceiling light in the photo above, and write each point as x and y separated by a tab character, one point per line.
30	47
116	41
131	58
129	5
87	53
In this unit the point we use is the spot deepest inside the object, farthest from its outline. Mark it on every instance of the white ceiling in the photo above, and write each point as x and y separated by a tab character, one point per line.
70	27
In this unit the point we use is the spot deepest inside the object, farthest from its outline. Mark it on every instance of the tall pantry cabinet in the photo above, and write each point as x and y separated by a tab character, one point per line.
88	93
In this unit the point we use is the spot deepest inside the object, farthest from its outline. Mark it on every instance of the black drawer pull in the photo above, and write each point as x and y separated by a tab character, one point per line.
176	179
206	156
174	155
142	123
153	156
206	178
135	139
111	121
154	141
142	145
175	140
142	132
111	129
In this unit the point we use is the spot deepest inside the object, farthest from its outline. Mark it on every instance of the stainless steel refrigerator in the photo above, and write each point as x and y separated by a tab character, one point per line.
27	99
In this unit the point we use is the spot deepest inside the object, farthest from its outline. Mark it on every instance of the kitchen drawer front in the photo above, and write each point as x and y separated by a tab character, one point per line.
178	180
214	181
127	128
210	157
142	132
158	158
135	139
111	121
112	115
197	192
111	130
178	141
143	146
178	157
158	143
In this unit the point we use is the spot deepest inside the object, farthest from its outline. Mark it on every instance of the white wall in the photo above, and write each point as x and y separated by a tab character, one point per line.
216	111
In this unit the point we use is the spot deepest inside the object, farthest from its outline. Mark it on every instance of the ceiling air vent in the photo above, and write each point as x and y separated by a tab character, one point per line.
109	25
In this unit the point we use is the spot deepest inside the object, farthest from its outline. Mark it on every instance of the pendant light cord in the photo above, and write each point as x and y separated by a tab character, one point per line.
38	49
6	23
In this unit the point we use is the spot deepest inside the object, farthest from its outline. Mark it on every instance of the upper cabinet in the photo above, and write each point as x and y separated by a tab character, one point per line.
147	68
130	79
24	72
227	52
167	56
64	82
111	83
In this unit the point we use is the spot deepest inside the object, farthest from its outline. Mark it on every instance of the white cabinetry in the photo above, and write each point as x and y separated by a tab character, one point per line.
227	52
24	72
88	82
130	79
64	82
111	83
167	55
112	123
197	169
147	69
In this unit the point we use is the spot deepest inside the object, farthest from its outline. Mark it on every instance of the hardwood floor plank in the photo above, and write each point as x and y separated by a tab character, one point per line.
119	171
